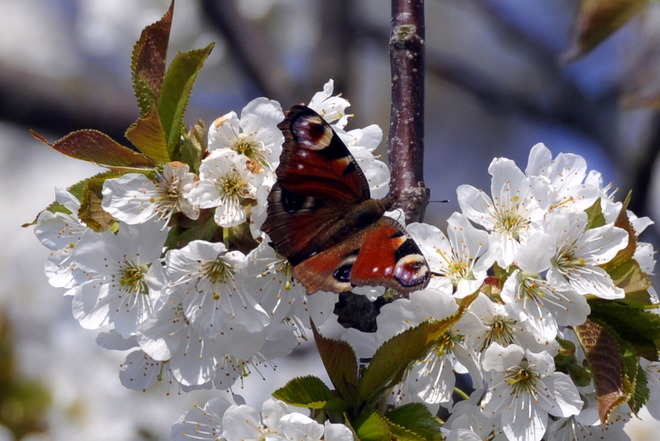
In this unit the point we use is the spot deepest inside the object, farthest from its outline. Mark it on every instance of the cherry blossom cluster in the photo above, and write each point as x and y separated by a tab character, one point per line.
203	315
222	419
530	236
198	315
532	230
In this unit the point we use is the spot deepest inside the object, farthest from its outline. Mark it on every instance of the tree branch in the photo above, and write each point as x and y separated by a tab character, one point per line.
406	136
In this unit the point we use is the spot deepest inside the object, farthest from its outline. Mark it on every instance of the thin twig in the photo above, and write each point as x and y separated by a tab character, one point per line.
406	136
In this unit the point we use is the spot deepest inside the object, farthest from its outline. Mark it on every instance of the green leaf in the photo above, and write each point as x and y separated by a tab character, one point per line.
641	393
186	230
303	390
598	19
639	327
99	148
175	93
393	358
372	427
595	215
310	392
148	61
416	420
634	281
148	136
340	363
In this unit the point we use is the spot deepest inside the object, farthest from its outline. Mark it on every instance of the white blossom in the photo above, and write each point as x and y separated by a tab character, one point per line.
125	277
225	183
60	232
459	256
524	388
134	198
512	214
205	273
331	107
202	423
432	379
255	135
579	252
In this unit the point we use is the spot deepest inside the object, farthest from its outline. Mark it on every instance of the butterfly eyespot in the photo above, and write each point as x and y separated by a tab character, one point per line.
312	132
412	270
316	130
343	273
292	202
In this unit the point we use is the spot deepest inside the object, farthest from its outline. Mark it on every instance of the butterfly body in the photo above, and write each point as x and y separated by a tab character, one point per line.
322	219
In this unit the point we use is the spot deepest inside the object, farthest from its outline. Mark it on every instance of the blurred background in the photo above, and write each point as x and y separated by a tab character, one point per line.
495	86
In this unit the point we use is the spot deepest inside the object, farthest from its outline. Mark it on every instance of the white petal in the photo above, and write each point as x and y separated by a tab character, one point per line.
337	432
241	423
129	198
566	396
139	371
524	420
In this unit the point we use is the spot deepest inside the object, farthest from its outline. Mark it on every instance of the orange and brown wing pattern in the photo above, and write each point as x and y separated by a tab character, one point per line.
315	162
379	255
321	217
318	180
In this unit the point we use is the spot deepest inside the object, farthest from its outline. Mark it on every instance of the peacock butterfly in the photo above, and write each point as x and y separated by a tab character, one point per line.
322	219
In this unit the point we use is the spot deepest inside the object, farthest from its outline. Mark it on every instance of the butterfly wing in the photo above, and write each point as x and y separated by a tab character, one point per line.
318	180
382	254
321	217
315	162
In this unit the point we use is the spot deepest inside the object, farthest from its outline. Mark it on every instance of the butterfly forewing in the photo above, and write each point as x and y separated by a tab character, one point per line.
315	162
295	225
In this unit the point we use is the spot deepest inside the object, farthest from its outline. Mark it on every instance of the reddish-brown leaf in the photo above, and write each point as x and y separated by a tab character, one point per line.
99	148
604	356
148	136
148	61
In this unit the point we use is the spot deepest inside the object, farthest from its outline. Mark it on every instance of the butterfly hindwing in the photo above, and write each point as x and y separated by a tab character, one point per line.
321	217
379	255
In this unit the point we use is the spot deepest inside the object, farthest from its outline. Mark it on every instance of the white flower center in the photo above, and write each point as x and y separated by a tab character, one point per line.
510	222
167	202
233	186
131	277
521	378
217	272
247	146
501	331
